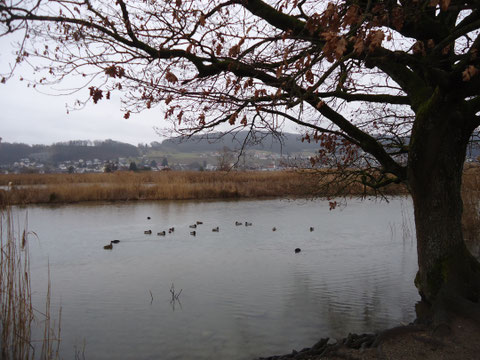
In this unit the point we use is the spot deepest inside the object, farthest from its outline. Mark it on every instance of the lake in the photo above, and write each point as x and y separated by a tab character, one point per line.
245	293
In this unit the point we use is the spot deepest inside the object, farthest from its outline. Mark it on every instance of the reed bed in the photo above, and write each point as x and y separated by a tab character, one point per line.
17	314
169	185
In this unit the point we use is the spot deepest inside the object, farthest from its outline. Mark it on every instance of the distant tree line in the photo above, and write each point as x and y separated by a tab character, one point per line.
64	151
102	150
11	152
110	149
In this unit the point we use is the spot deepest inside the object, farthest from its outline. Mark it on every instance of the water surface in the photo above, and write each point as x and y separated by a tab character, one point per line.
245	293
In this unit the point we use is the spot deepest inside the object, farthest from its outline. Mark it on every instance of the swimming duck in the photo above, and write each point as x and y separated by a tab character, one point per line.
238	223
199	222
311	228
274	229
114	241
194	226
148	218
194	233
161	233
148	232
297	250
172	229
248	223
216	229
108	247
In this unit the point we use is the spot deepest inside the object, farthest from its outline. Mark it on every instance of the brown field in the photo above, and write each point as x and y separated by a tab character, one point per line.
171	185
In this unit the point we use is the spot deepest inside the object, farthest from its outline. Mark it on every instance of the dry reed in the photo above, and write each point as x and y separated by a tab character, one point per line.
171	185
124	186
17	314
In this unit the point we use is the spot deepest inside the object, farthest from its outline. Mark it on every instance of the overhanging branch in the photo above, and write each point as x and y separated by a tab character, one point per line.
375	98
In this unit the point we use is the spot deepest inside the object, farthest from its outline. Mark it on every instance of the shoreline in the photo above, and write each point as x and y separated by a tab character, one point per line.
25	189
413	341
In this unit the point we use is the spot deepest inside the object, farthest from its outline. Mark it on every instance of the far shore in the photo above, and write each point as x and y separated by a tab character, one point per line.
25	189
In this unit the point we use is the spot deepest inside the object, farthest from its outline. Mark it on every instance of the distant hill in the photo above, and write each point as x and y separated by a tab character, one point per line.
287	144
9	153
74	150
71	150
110	149
102	150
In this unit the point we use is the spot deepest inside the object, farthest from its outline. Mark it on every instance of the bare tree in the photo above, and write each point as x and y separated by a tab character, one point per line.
225	159
385	85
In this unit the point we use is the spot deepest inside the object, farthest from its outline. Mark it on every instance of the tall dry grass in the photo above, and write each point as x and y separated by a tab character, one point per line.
17	314
171	185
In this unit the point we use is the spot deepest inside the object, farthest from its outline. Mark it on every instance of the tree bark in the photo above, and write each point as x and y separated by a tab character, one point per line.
437	154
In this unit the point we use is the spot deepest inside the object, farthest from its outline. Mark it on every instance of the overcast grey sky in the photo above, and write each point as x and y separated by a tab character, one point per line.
28	116
31	117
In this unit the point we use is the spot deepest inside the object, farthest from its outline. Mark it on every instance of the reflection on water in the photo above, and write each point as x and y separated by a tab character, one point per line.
245	293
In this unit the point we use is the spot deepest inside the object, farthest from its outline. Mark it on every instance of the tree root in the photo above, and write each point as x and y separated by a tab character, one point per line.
463	307
322	348
433	323
447	306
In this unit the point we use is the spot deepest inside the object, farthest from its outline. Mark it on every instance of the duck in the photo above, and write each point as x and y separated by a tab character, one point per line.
194	226
238	223
199	222
217	229
148	232
274	229
108	247
161	233
248	223
172	229
194	233
148	217
297	250
311	228
114	241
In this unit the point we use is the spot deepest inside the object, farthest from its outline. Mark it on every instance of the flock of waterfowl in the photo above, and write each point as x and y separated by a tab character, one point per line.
193	233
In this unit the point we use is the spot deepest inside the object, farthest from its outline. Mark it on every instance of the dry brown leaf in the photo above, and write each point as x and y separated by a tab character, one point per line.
279	71
419	48
444	4
309	76
232	118
351	16
359	46
171	77
375	39
469	72
341	47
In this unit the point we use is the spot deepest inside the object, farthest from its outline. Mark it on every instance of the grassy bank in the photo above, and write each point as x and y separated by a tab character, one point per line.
171	185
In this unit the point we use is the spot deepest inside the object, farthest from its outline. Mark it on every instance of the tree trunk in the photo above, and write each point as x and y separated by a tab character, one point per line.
436	158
